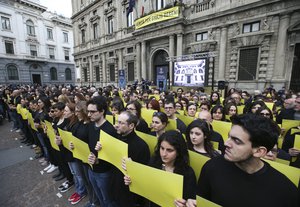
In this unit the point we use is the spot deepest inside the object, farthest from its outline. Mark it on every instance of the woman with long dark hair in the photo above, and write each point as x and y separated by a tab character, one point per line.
198	136
159	123
171	154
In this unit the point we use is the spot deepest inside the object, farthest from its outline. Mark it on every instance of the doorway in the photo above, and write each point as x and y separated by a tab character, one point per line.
161	68
36	79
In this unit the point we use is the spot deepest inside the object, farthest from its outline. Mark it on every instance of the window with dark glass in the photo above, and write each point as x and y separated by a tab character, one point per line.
66	37
95	30
96	57
112	72
85	77
30	28
51	53
160	4
251	27
9	47
53	74
130	50
201	36
68	74
111	54
97	73
83	36
67	54
5	23
110	25
130	71
12	73
49	34
248	64
33	50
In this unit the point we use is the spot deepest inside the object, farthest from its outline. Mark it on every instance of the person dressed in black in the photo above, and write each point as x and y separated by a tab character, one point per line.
138	151
171	154
241	177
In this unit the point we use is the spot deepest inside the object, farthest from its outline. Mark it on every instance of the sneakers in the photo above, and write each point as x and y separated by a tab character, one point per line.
42	160
50	170
67	186
72	197
48	167
62	185
18	130
77	199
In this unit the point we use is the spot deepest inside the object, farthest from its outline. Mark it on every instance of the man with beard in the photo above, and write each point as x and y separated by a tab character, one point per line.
241	178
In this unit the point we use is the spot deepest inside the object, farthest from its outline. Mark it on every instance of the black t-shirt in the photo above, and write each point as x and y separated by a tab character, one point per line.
223	183
94	137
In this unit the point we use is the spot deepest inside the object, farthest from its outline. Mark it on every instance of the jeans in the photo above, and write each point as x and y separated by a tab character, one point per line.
13	115
77	172
42	141
100	182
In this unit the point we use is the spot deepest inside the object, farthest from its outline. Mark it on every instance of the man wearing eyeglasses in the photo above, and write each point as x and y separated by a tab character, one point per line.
100	174
138	151
241	177
170	110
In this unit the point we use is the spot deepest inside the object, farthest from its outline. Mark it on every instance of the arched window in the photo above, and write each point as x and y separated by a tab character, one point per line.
30	28
53	74
68	74
12	72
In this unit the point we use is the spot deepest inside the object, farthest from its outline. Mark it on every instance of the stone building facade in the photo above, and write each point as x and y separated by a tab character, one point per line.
249	44
36	46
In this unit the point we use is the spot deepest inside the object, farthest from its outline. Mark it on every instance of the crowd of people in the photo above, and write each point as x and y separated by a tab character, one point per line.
235	175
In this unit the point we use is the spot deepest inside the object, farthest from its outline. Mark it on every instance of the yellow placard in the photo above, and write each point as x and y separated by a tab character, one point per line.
172	125
51	135
293	131
287	124
110	119
81	150
147	115
113	150
290	172
222	128
149	139
24	112
181	112
197	161
297	142
240	109
282	161
205	203
18	108
270	105
31	122
66	138
160	187
186	119
157	17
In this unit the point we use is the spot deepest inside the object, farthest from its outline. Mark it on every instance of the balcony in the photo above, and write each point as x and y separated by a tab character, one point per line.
203	6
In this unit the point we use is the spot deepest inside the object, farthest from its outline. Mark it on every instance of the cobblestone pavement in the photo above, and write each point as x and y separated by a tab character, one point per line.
21	183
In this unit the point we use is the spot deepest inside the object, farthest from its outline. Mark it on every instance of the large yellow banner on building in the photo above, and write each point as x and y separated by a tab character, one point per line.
157	17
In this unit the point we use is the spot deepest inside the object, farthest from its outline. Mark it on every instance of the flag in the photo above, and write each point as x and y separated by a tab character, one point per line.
131	5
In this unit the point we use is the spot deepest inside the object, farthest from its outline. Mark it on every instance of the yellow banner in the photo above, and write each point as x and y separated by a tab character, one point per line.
157	17
160	187
113	150
149	139
51	135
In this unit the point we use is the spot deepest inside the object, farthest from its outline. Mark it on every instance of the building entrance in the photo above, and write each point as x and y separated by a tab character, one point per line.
295	79
36	79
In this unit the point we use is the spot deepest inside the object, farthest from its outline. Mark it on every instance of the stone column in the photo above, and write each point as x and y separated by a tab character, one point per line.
179	45
138	61
104	81
91	69
144	59
171	54
222	58
279	68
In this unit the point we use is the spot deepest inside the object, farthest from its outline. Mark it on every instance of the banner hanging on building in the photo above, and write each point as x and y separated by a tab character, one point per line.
122	79
157	17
